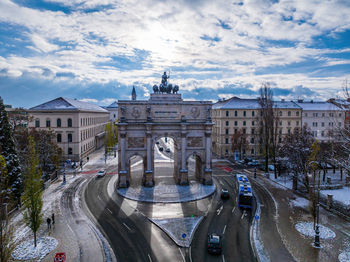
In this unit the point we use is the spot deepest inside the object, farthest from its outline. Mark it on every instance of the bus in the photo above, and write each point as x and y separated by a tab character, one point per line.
244	191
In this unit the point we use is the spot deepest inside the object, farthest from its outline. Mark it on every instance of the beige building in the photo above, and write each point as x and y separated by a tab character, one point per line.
241	115
79	126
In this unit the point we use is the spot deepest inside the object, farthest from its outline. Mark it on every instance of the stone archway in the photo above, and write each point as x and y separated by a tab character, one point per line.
142	122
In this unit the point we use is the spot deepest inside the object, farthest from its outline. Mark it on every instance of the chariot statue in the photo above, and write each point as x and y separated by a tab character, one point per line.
164	87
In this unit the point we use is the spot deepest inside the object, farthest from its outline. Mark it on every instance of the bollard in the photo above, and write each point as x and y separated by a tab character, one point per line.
267	175
329	201
328	180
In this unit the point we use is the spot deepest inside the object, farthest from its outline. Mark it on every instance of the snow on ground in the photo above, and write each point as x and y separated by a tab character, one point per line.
344	257
341	195
26	250
307	229
299	202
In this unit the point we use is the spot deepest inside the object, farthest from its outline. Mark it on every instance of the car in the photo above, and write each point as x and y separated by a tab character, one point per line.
167	150
214	244
253	163
157	142
101	173
224	193
161	149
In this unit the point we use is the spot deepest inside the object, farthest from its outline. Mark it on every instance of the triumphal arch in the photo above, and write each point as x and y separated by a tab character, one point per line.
165	114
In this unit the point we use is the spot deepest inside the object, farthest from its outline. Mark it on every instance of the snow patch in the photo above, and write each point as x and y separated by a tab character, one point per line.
299	202
26	250
344	257
341	195
307	229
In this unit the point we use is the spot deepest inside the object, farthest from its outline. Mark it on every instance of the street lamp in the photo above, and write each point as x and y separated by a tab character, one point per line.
317	228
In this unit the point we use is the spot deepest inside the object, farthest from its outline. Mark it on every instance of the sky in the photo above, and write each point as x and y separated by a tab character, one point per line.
97	50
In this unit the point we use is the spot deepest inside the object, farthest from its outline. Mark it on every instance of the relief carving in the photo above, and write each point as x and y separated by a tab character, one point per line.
136	142
136	112
195	141
195	112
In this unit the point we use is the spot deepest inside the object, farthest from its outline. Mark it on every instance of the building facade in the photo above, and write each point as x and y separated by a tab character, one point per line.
79	126
322	118
113	111
241	116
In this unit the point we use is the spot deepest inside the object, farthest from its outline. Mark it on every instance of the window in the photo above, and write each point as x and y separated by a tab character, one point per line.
280	113
58	122
235	113
252	140
69	138
226	123
280	131
288	131
226	131
322	124
339	124
70	151
288	123
236	123
226	113
305	114
252	131
331	114
244	123
244	113
244	131
339	114
322	133
323	114
48	122
235	130
252	151
253	123
330	123
315	114
253	114
226	140
297	123
280	123
297	113
289	113
37	123
69	122
279	140
59	138
314	124
113	115
314	133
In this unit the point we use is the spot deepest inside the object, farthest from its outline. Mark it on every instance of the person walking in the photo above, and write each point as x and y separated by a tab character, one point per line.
53	219
48	221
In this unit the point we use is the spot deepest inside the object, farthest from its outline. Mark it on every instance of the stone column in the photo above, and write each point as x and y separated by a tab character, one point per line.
123	179
148	180
183	179
207	179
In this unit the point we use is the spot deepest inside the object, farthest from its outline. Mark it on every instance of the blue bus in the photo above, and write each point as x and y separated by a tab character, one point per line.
244	191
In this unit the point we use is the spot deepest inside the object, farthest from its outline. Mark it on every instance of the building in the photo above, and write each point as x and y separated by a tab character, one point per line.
113	111
322	118
79	126
345	105
241	116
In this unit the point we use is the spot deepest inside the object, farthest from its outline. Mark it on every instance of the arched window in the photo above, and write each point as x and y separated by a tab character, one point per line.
59	138
48	122
58	122
70	138
69	122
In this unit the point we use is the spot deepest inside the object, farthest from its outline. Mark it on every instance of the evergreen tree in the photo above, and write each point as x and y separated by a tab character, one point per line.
8	150
32	196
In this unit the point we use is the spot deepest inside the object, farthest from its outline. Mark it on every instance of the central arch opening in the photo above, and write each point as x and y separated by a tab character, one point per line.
165	160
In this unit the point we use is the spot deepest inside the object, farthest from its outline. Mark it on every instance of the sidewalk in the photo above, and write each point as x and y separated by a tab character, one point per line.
292	210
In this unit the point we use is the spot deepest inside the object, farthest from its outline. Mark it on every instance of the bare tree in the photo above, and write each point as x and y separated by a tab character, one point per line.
239	142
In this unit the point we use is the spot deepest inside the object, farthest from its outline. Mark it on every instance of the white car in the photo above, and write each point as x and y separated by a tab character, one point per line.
101	173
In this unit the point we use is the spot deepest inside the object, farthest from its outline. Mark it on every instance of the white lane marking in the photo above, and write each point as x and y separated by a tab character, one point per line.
190	254
244	214
109	210
223	258
219	210
149	257
233	209
127	226
183	257
223	231
221	182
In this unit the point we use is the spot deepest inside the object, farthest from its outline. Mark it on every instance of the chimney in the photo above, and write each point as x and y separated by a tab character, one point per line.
312	101
300	100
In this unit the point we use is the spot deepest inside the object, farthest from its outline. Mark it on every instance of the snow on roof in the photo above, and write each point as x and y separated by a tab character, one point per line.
238	103
318	106
63	103
113	105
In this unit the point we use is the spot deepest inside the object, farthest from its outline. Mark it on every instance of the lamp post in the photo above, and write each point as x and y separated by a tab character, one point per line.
317	228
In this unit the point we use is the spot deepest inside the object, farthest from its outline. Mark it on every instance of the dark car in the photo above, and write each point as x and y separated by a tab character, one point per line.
224	193
214	244
161	149
167	150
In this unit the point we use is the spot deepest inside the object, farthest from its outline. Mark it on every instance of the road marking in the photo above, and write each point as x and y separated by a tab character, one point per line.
127	226
223	258
219	210
244	214
109	210
190	254
233	209
223	231
149	257
183	257
221	182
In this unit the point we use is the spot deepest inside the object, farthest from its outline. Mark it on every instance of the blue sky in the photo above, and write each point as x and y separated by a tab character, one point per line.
97	50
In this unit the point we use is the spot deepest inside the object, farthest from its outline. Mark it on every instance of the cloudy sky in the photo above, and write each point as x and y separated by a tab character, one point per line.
97	50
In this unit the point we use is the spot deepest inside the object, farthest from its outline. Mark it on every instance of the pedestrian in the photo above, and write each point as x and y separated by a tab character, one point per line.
48	220
53	218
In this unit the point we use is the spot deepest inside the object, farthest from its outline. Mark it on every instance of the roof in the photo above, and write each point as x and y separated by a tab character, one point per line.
318	106
68	104
113	105
239	103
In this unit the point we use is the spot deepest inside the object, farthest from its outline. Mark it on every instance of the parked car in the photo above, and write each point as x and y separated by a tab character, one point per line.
253	163
214	244
101	173
167	150
157	142
224	193
161	149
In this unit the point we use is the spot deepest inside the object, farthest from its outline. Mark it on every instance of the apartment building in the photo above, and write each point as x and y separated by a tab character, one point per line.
79	126
322	118
345	105
241	115
113	111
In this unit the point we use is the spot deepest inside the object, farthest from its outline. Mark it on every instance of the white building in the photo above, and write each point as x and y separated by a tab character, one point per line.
79	126
113	111
321	118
